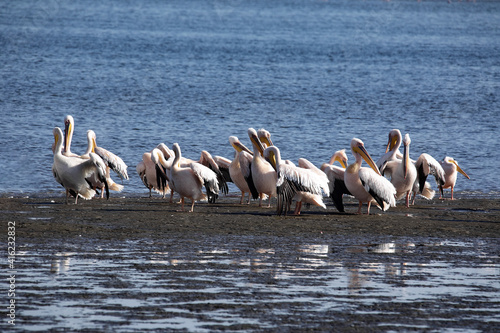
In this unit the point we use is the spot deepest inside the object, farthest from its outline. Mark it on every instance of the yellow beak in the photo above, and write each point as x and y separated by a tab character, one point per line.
364	154
460	170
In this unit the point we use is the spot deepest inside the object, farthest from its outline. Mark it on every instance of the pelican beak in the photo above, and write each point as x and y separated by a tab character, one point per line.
93	145
460	170
240	147
406	160
272	160
364	154
67	132
267	141
341	161
391	143
255	140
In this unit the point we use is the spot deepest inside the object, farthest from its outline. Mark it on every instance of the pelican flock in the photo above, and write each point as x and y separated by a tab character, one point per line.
260	173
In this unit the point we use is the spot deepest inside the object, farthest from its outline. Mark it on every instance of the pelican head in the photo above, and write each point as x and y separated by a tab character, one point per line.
69	125
252	134
91	135
459	169
406	153
238	146
58	135
359	151
265	137
394	140
341	157
272	154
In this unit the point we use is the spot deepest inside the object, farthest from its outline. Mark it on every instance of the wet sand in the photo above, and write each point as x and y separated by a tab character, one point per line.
130	218
242	268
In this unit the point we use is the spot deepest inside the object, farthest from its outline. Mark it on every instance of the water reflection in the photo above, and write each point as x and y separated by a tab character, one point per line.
199	285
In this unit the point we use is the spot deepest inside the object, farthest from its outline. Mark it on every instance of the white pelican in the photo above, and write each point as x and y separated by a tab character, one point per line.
402	172
425	166
263	175
69	126
450	167
147	170
367	184
308	197
335	175
292	180
188	181
111	160
208	161
265	137
72	172
240	168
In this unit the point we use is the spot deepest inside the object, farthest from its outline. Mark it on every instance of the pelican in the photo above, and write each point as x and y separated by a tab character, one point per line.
335	175
188	181
402	172
72	172
291	180
111	160
318	177
450	167
425	165
69	125
240	168
263	174
152	172
367	184
265	137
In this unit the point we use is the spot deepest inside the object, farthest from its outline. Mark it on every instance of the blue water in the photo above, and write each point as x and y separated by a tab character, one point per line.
313	73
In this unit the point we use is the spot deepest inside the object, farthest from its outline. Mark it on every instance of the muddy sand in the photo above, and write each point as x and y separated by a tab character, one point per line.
131	218
137	264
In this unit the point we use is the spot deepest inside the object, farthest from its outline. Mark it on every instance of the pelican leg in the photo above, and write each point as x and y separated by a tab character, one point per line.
298	207
249	197
441	194
67	196
242	197
452	193
368	210
408	199
76	199
171	196
269	202
359	208
260	200
182	205
192	206
414	196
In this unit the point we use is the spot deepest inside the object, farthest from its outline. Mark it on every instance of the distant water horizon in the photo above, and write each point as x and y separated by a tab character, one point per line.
313	73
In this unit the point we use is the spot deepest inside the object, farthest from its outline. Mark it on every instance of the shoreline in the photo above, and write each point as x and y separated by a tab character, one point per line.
143	217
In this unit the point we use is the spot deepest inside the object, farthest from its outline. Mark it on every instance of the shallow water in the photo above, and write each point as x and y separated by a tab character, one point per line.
314	73
261	283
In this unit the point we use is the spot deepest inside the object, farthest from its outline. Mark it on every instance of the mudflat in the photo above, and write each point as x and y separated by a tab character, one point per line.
138	264
131	218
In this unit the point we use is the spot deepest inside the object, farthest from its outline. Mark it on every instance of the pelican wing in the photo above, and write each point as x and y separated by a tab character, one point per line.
426	164
224	164
114	162
336	184
380	188
207	160
292	180
389	167
209	179
95	165
245	160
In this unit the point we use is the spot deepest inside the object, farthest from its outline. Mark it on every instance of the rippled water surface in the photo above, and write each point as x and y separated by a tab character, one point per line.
262	283
314	73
